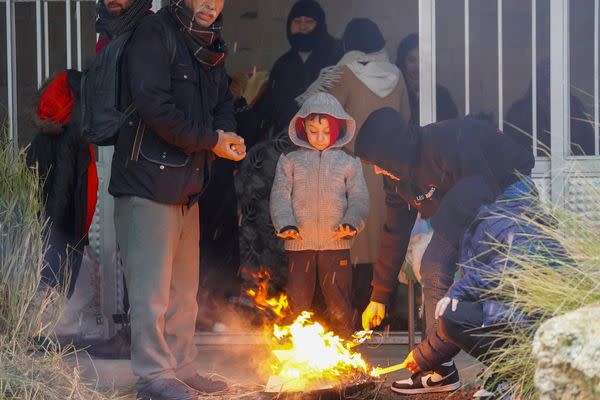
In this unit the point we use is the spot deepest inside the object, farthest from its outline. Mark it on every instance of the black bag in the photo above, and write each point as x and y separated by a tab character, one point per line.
102	113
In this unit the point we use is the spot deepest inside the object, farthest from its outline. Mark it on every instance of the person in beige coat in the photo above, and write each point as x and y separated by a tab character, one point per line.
364	81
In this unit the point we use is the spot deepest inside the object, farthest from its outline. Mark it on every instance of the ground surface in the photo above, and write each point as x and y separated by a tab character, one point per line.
241	366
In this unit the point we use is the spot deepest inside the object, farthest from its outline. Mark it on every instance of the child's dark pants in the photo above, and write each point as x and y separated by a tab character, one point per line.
333	271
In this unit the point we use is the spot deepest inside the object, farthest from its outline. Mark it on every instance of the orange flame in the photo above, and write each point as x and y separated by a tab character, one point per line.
306	356
279	305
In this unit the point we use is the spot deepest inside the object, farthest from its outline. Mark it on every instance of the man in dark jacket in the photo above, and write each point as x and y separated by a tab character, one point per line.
312	48
177	82
445	171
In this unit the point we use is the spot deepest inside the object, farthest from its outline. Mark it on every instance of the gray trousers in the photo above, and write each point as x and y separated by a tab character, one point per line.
159	245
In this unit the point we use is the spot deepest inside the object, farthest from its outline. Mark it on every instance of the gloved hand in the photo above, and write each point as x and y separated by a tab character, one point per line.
289	232
345	232
442	305
373	315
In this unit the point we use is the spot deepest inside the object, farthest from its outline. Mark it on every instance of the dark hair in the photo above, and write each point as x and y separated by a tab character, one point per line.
364	35
406	45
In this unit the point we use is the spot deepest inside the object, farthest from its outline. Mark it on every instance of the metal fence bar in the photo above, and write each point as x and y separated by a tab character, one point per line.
596	79
534	75
467	60
68	27
11	73
560	105
500	70
78	27
38	41
46	43
427	61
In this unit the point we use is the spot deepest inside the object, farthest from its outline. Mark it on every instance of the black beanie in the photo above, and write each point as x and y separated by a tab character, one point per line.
312	9
388	141
364	35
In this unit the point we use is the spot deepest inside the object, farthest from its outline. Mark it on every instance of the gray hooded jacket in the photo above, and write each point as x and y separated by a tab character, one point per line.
318	190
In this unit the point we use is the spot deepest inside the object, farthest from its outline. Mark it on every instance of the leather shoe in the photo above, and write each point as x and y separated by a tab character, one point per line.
167	389
205	385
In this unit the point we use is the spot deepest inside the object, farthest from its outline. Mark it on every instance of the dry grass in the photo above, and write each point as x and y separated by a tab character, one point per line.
544	286
29	371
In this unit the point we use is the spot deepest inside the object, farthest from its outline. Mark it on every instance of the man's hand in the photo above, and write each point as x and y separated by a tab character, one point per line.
345	232
373	315
411	364
290	234
230	146
441	306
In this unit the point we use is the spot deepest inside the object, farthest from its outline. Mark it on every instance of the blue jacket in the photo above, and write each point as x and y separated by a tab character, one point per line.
483	249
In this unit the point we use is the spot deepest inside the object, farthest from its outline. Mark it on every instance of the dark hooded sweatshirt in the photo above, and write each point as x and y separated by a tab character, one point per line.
290	75
447	171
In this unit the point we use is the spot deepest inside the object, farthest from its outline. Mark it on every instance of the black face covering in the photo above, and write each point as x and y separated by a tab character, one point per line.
304	41
307	41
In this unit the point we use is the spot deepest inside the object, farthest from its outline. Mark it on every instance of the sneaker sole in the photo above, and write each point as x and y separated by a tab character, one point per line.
437	389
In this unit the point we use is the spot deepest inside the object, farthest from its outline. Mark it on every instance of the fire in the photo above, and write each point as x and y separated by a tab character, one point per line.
306	355
279	305
309	356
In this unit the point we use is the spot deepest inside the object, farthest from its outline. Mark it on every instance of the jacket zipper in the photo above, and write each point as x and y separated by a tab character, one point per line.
319	198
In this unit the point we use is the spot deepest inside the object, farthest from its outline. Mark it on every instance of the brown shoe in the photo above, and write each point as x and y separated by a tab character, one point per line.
206	385
167	389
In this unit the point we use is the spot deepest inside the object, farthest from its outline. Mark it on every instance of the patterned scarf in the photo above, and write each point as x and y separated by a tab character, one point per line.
205	44
110	26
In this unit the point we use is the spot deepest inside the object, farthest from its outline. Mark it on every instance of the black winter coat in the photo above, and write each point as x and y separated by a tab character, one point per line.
447	171
289	78
164	152
62	156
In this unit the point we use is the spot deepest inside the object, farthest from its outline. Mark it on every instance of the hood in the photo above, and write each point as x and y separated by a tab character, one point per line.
374	70
389	142
54	102
323	103
307	42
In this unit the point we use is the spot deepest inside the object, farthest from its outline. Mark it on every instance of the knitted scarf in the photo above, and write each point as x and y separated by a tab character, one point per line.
205	44
110	26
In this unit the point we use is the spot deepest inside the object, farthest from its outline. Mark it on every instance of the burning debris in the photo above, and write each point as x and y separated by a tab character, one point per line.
306	356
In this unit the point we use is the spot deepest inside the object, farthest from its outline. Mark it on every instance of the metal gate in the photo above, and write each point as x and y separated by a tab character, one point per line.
558	176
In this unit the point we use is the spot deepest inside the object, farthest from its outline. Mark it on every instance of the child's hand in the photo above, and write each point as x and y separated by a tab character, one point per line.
289	233
345	232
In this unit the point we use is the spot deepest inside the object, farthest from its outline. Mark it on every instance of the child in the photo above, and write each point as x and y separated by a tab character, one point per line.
319	203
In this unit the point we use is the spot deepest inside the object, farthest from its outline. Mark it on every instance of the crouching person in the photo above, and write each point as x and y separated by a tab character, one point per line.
319	203
173	67
470	317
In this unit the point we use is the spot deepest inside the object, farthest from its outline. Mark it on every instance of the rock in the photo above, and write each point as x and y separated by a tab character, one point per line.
567	350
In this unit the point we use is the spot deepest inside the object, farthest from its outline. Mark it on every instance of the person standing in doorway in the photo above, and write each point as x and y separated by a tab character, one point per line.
311	49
